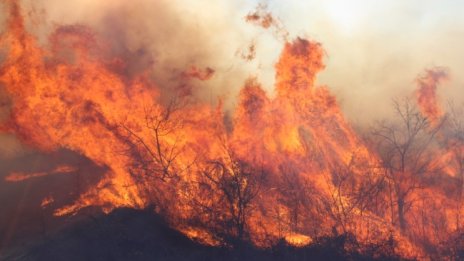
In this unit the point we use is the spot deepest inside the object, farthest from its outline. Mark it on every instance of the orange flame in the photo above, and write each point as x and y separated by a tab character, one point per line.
77	102
19	176
427	92
253	177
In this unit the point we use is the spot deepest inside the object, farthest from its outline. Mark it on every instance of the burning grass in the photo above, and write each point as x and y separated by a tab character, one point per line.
288	167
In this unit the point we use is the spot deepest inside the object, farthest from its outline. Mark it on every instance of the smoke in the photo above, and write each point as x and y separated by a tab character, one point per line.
166	40
198	48
374	51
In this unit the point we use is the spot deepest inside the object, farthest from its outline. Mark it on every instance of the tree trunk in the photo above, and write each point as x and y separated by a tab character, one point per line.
401	218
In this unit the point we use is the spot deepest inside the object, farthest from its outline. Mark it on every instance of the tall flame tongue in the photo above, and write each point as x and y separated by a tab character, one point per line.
67	96
74	105
302	125
426	93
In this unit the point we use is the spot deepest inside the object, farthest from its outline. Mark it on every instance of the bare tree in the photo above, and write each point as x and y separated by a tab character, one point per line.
355	189
229	188
296	194
454	143
155	150
156	157
221	190
404	147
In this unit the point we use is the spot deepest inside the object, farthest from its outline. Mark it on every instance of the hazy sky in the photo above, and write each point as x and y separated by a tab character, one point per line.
375	49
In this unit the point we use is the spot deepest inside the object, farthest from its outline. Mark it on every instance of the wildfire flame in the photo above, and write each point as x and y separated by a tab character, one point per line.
250	178
18	176
427	98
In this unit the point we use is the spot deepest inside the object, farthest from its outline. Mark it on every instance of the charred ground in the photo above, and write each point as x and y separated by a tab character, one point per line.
128	234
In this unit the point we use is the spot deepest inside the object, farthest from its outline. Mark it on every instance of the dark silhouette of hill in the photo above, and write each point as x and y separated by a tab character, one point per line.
128	234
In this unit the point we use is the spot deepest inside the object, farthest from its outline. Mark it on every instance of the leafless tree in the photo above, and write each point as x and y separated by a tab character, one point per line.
294	193
353	192
230	187
454	143
404	146
155	156
155	149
